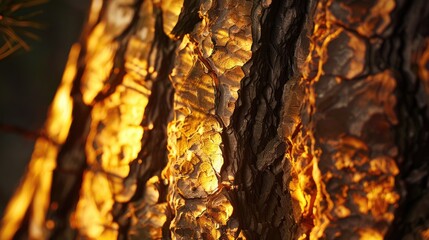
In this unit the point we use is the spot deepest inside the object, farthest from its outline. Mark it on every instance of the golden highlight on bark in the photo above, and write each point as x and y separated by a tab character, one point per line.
33	194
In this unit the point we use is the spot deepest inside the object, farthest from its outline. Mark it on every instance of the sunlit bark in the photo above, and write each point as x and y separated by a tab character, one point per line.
225	119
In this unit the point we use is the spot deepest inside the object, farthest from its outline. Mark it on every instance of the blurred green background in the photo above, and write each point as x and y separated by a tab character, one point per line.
28	81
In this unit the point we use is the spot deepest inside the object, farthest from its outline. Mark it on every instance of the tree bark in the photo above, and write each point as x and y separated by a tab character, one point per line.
224	119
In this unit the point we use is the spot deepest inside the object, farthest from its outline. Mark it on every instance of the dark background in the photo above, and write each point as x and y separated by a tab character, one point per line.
28	81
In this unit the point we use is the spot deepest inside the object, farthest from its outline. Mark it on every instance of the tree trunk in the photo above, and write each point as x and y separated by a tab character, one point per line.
225	119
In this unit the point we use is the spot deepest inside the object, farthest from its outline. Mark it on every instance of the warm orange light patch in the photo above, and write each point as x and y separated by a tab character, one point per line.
370	234
99	62
43	161
194	139
170	14
114	139
93	213
321	183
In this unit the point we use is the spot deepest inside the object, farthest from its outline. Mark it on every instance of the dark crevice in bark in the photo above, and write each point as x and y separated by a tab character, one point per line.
68	174
152	157
71	162
188	18
129	30
69	171
256	119
412	215
118	72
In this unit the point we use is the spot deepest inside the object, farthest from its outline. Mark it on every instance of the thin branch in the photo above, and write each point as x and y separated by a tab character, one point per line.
29	134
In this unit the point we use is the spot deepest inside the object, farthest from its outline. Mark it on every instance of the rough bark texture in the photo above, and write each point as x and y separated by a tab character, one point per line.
225	119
